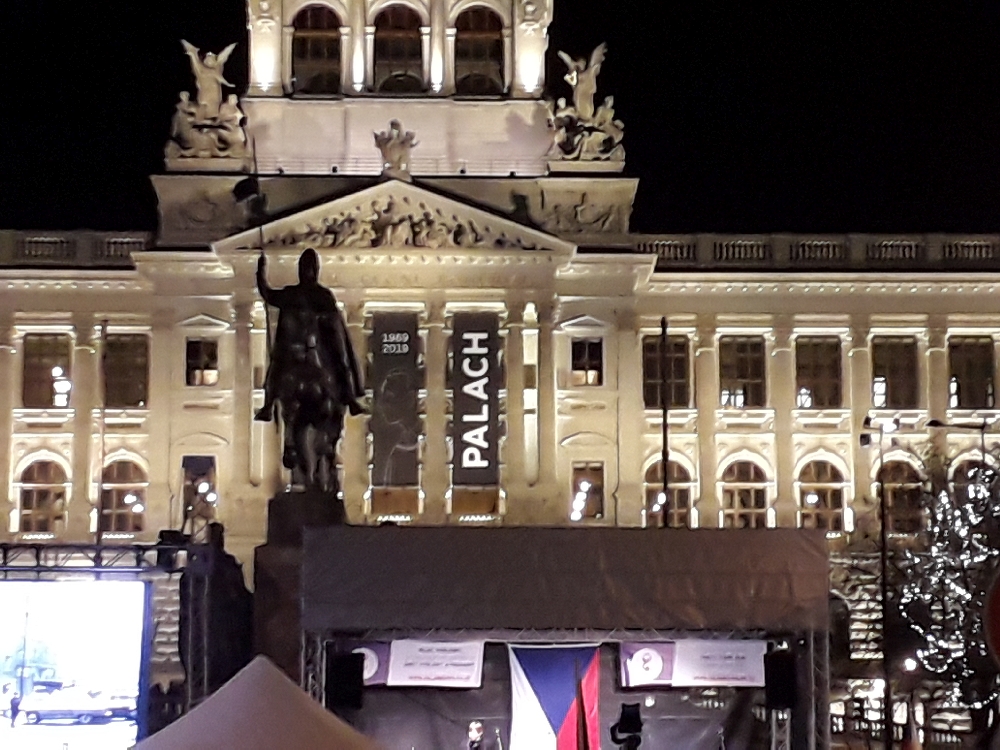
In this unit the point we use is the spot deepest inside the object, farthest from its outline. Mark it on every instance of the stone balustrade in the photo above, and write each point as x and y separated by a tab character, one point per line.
20	249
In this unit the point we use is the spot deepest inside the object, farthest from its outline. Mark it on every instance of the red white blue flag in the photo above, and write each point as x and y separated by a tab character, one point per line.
554	691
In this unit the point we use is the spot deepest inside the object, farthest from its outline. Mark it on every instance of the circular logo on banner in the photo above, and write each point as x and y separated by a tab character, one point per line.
991	619
645	665
371	661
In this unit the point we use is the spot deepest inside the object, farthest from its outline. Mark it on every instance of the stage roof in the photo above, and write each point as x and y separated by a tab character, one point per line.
458	578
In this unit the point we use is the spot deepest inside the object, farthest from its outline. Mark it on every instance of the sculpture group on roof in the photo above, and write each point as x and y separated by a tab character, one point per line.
395	145
209	126
583	132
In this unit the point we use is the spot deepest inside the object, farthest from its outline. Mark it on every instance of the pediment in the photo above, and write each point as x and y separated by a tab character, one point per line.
202	321
586	440
583	322
396	214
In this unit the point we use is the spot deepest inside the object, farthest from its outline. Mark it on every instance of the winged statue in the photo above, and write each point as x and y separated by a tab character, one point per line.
582	76
208	78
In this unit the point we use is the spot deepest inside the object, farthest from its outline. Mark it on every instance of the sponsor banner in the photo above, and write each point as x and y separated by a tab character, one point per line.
719	663
395	421
376	655
436	664
646	664
476	380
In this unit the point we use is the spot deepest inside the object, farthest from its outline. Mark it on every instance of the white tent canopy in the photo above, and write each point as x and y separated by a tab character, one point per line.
259	709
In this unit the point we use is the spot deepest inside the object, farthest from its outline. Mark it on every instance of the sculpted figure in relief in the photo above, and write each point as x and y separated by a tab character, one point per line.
395	146
209	127
582	132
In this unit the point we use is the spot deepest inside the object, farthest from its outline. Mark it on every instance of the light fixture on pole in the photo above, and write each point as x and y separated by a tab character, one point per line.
869	431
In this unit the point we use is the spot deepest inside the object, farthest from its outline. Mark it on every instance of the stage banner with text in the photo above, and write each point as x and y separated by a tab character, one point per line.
436	664
395	382
646	664
719	663
476	380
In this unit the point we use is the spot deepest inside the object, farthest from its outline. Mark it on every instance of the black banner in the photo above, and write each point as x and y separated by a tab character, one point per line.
475	346
395	423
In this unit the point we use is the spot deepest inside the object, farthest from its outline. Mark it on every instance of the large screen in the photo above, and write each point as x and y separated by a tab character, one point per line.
70	660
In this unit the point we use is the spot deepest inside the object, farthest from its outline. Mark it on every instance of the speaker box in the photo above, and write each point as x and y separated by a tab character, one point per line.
345	680
780	690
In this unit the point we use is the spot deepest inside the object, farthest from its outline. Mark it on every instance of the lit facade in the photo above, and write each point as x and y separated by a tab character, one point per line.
780	347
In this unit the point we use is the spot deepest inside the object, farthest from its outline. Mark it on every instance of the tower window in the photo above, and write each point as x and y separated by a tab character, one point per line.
479	53
399	59
316	51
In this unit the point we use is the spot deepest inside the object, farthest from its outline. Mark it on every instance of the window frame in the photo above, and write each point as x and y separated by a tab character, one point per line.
891	369
481	61
37	377
731	508
813	376
736	389
50	491
909	517
582	375
593	472
976	376
393	47
328	67
112	506
198	373
679	511
127	381
824	514
678	348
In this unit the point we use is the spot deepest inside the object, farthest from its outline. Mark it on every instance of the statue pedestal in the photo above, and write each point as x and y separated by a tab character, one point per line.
564	166
278	572
209	164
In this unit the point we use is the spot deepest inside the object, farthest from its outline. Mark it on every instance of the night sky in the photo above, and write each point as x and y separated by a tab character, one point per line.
829	117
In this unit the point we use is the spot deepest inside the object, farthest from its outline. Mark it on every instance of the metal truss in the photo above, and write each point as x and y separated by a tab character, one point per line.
780	725
312	668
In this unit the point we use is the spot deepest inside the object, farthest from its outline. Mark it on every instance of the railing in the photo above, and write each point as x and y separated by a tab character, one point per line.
852	252
70	249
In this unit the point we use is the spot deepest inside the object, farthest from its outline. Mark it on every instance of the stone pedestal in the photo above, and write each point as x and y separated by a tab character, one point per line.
278	571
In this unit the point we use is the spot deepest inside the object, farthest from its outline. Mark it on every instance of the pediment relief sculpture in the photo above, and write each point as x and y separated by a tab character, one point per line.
581	131
568	214
401	222
208	126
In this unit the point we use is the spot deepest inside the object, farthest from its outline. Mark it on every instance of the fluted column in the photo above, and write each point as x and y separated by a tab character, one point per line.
938	377
354	441
546	395
783	402
434	477
7	391
513	479
707	402
87	432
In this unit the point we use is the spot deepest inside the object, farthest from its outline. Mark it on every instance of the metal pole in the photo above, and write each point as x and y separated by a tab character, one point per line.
103	395
884	566
663	408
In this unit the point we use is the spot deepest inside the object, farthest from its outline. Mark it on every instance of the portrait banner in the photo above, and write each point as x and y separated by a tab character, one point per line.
395	382
476	380
644	664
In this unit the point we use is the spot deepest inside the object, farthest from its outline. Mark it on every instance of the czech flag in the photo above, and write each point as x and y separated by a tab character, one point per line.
554	692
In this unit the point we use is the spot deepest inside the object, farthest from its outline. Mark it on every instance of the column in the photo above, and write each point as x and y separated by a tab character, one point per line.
347	41
287	48
860	391
512	454
8	363
936	394
425	53
782	377
438	62
163	504
449	62
706	374
631	422
354	441
369	58
87	432
434	465
546	395
242	516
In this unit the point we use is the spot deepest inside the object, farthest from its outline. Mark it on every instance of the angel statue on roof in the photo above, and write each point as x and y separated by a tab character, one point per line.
208	78
583	78
582	132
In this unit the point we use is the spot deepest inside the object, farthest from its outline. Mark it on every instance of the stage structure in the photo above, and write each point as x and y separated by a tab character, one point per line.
600	586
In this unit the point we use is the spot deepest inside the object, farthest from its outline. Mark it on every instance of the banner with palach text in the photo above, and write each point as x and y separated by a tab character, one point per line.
476	380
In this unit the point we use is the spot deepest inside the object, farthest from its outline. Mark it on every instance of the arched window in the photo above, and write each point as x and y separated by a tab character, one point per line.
123	497
744	496
399	60
316	51
674	511
972	481
904	490
479	53
821	497
43	497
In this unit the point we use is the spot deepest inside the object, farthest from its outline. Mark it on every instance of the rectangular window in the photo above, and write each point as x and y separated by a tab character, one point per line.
668	373
588	491
971	366
202	362
46	370
894	372
818	373
588	362
742	372
126	370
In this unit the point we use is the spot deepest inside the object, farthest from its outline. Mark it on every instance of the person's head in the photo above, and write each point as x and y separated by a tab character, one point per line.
309	267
